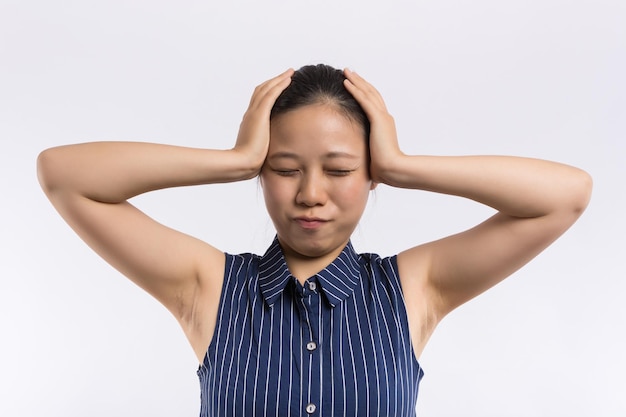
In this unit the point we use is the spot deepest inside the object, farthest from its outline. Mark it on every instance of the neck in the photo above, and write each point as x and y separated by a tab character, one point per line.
303	267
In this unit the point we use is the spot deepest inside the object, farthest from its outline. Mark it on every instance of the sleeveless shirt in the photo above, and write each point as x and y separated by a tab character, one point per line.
339	345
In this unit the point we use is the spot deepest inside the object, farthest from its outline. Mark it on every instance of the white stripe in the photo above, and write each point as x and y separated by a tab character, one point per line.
356	390
258	359
245	374
280	356
269	361
232	325
371	332
375	285
319	351
367	381
217	335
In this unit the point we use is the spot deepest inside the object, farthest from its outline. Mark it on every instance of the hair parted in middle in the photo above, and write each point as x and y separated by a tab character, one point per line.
320	84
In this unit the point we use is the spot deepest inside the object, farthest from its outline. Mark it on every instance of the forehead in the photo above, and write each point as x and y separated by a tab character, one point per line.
314	130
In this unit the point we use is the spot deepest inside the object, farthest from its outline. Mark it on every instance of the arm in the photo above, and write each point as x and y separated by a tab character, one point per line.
89	185
536	202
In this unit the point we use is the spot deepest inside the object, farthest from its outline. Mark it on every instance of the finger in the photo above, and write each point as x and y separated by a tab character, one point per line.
275	80
273	87
371	106
358	86
360	82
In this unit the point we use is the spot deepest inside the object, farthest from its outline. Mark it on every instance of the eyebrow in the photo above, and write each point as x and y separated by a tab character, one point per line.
329	155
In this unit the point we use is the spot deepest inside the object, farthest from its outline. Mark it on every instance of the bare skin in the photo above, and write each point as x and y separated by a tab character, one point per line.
536	200
89	184
316	184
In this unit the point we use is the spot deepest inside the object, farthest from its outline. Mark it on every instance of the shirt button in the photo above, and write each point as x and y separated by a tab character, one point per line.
312	286
310	408
311	346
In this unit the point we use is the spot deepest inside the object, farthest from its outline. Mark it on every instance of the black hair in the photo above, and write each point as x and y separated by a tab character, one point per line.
320	84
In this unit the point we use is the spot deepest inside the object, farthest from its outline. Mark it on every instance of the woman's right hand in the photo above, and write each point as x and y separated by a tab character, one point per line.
254	132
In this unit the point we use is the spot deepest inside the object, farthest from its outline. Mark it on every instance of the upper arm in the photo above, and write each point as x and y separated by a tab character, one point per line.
175	268
450	271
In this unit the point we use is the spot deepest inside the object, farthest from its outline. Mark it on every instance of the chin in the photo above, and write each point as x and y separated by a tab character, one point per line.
311	247
308	250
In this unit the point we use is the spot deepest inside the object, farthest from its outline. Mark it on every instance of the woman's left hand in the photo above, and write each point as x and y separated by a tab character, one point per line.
383	141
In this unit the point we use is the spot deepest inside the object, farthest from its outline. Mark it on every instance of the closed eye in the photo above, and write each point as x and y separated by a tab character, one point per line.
340	172
286	172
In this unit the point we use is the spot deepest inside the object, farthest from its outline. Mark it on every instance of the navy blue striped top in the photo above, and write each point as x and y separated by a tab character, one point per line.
339	345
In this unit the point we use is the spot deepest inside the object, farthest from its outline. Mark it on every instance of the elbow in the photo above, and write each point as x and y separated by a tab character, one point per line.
48	170
582	188
571	198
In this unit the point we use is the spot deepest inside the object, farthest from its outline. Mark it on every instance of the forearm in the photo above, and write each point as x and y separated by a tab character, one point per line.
520	187
112	172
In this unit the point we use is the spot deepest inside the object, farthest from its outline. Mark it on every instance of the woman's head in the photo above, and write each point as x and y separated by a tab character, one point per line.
320	84
315	177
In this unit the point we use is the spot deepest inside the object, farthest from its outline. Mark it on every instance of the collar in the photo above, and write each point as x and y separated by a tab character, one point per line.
337	281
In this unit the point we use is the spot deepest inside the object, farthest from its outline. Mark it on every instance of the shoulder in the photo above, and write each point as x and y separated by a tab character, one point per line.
240	266
238	269
242	258
381	270
378	263
237	277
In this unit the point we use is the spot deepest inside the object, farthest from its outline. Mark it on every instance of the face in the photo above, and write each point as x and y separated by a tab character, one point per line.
315	180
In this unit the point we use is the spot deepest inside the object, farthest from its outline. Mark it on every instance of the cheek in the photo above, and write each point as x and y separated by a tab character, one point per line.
273	193
353	196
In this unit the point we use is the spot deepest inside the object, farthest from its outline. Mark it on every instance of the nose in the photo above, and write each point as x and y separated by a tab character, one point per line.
312	191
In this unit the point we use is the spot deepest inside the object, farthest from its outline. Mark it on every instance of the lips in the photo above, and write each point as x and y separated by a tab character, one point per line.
310	223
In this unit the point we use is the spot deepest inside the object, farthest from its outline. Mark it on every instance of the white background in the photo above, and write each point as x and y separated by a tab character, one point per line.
540	78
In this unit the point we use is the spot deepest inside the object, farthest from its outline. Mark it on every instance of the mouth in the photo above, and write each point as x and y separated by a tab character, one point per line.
310	223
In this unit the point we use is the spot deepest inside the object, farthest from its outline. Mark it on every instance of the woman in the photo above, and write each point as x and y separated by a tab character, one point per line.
311	327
